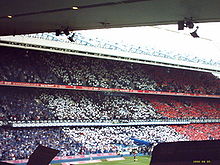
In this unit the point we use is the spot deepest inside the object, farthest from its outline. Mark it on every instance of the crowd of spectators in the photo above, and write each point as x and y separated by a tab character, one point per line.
18	65
85	106
90	106
79	106
46	67
184	107
20	143
199	131
22	104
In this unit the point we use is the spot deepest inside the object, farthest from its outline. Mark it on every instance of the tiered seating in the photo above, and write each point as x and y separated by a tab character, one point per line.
199	131
79	106
46	67
20	143
180	107
84	106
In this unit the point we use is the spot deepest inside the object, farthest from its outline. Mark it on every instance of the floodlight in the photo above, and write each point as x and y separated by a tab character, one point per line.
75	8
10	16
58	32
71	37
194	34
189	24
66	31
180	25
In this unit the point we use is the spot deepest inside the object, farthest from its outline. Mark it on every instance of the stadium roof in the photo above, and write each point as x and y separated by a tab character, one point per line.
26	16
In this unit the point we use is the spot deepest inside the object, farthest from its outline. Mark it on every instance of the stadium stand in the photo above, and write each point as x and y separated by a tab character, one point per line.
20	143
79	106
86	106
179	107
199	131
35	104
22	65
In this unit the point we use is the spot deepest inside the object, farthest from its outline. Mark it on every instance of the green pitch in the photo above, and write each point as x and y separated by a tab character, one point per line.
141	160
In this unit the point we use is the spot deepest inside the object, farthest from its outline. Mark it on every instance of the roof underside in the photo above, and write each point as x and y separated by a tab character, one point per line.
49	15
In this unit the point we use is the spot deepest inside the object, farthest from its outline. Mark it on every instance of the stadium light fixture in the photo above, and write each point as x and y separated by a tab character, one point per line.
75	8
66	31
185	23
71	37
180	25
58	32
189	24
194	34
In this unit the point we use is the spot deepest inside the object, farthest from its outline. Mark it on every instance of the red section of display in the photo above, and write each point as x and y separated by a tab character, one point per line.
39	85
